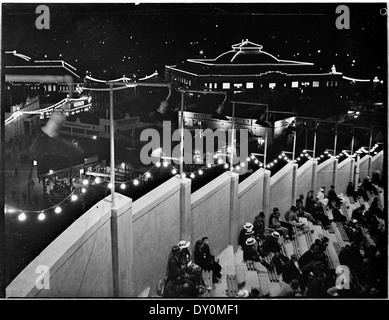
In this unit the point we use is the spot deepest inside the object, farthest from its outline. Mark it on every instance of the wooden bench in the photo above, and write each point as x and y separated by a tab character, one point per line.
342	232
232	286
337	248
296	248
273	277
208	279
308	238
327	253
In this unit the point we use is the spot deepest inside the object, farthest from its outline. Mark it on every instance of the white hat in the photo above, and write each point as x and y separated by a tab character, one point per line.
249	232
183	244
248	226
275	234
243	293
250	241
322	189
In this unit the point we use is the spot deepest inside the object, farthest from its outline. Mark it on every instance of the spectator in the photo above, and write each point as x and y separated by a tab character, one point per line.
259	225
359	213
362	192
301	211
253	252
206	260
242	236
185	256
320	196
310	202
351	191
376	178
337	215
270	243
292	218
292	270
368	185
309	256
275	223
279	261
333	197
316	282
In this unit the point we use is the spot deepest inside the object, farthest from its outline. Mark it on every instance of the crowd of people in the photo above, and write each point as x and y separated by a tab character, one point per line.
362	269
361	272
184	270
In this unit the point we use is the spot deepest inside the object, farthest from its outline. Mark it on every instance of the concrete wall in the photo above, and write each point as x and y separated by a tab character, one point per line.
156	225
364	167
281	189
325	173
250	194
79	261
304	178
211	213
344	175
377	162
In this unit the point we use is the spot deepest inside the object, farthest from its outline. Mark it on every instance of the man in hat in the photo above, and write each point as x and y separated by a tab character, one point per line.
271	242
175	270
247	227
253	252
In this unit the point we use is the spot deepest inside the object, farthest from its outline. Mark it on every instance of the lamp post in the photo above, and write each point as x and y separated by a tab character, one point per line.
232	137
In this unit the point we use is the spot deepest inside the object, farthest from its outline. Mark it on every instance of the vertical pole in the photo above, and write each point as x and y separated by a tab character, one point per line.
294	144
352	142
112	145
314	144
370	143
371	139
232	138
2	177
336	138
182	135
265	151
356	180
306	136
114	226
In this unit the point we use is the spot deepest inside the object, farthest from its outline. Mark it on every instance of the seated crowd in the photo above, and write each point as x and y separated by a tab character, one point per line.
184	275
362	265
311	275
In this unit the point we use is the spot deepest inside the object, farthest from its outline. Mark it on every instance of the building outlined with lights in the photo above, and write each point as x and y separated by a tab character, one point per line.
247	67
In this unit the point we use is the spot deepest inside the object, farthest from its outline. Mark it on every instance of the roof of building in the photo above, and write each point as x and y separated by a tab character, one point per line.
247	59
20	64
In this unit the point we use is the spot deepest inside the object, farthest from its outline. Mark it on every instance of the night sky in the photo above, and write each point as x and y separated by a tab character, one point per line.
115	39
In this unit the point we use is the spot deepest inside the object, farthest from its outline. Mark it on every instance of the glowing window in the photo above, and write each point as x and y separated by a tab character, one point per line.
250	85
315	84
295	84
272	85
226	85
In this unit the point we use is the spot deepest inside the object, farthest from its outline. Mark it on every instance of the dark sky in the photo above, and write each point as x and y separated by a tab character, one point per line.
115	39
